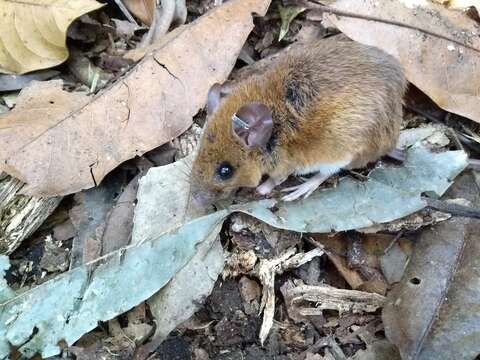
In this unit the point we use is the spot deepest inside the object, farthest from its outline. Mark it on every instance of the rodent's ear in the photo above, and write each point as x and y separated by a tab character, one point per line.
252	124
213	98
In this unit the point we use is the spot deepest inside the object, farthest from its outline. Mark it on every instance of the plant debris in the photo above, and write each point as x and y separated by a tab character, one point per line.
105	254
79	139
455	87
33	34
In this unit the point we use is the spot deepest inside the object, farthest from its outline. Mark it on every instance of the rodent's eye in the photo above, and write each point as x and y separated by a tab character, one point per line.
225	171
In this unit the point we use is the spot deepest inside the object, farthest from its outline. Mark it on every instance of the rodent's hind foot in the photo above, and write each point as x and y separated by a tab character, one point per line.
306	189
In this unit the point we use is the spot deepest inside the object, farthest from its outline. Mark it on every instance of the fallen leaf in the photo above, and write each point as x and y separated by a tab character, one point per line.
17	82
334	248
178	300
71	145
287	15
64	231
33	34
434	313
65	308
442	69
160	209
378	350
393	263
142	9
355	204
86	72
89	216
163	201
71	304
119	221
362	269
428	134
10	99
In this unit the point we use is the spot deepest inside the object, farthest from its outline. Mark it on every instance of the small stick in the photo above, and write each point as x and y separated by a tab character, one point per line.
125	11
393	242
333	11
452	209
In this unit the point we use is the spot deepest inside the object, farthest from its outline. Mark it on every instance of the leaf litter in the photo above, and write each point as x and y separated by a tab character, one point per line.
86	298
38	40
433	313
444	74
76	140
369	263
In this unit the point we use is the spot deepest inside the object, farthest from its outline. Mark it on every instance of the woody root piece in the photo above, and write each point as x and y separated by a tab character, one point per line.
20	215
305	300
266	271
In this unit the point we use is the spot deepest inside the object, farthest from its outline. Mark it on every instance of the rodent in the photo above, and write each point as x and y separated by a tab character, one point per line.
326	106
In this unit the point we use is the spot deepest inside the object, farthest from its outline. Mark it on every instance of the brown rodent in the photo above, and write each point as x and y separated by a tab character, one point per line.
326	106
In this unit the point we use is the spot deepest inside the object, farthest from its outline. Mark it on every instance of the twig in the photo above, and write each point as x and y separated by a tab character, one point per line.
125	11
393	242
167	13
452	209
266	271
313	300
333	11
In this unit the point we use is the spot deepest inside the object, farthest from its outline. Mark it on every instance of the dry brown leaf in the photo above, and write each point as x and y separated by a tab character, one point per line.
442	69
142	9
61	143
33	34
434	312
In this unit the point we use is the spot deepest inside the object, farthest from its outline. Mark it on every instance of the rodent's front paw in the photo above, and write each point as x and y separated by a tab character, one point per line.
266	187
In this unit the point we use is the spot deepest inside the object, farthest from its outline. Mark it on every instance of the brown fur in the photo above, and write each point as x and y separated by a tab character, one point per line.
330	100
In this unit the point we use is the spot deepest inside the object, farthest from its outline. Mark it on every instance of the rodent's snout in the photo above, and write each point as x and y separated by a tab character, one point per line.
203	198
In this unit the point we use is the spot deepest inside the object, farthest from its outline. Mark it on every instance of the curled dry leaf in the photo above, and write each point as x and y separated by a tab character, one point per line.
441	69
33	34
60	143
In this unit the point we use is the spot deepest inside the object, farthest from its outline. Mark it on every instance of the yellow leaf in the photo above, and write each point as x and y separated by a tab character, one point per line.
33	32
